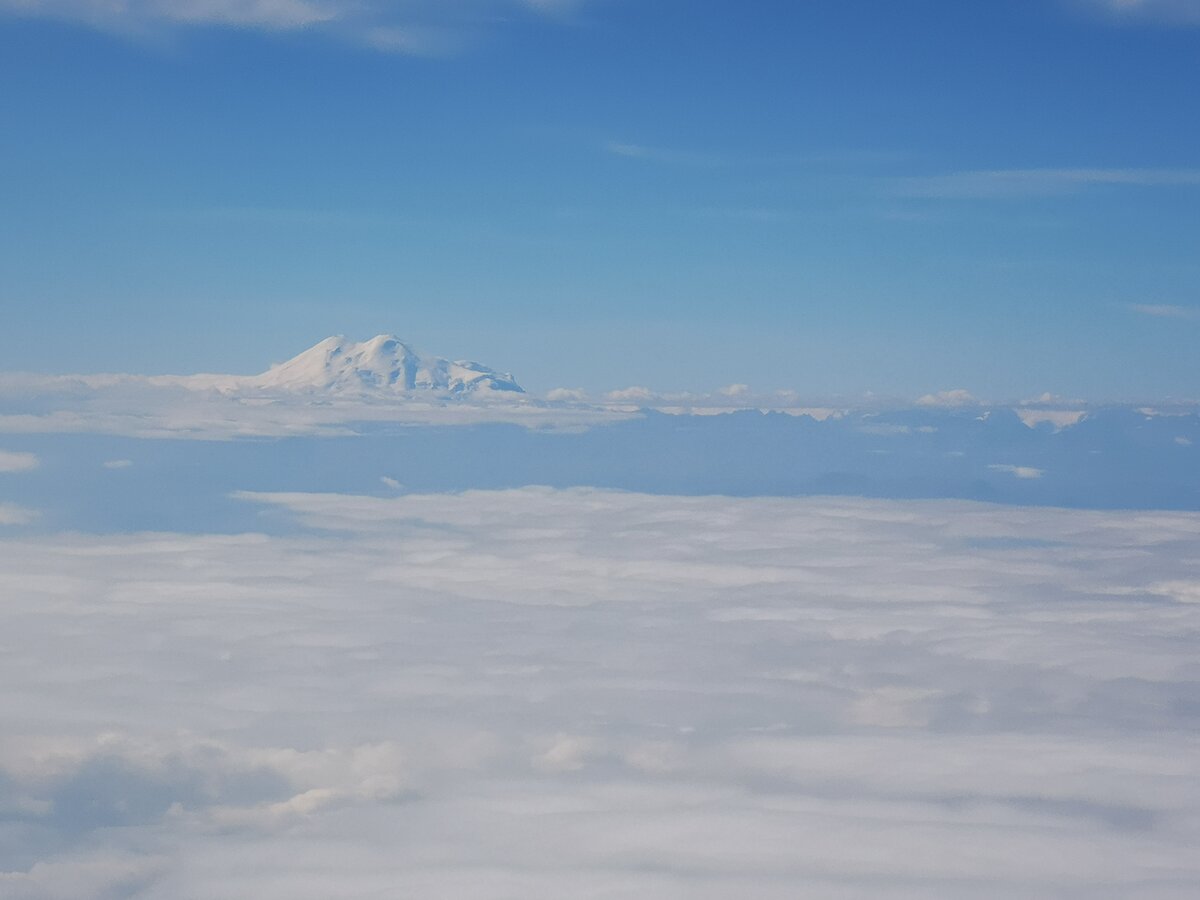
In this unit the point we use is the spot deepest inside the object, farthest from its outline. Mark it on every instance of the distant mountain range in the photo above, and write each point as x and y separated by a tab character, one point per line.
340	386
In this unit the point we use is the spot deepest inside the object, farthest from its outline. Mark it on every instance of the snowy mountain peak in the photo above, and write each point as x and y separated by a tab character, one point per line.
384	363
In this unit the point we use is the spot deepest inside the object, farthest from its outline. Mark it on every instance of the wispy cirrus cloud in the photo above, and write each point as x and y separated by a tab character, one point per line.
1172	12
660	154
417	27
1166	311
999	184
281	15
1023	472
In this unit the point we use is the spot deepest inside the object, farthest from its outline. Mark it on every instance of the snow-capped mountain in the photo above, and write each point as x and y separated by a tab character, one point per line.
384	363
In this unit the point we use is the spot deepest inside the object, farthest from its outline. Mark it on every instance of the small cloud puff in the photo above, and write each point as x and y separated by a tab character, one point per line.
735	390
12	514
566	753
1026	472
956	397
391	482
634	393
118	463
1048	399
11	461
576	395
411	40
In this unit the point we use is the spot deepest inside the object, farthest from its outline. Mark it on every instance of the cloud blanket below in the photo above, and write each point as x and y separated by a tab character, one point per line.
540	694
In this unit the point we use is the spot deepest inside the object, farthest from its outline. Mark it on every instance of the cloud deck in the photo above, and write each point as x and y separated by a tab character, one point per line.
544	693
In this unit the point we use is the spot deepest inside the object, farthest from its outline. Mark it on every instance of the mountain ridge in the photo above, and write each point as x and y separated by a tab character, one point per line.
383	363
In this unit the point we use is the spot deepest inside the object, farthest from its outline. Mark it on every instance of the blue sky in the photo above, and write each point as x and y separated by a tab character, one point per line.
833	197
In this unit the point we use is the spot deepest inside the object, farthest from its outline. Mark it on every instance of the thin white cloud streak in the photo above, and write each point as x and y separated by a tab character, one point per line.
544	693
1166	311
998	184
1026	473
660	154
413	40
13	461
417	27
635	394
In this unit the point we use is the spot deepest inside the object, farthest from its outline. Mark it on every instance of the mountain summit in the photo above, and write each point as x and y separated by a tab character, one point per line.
384	363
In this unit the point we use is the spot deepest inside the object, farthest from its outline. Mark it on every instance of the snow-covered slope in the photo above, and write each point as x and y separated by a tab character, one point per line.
384	363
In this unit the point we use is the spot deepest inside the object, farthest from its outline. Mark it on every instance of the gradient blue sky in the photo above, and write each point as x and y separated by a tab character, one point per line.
833	197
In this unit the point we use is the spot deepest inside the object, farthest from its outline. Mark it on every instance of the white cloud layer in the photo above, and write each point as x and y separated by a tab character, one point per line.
542	694
659	154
